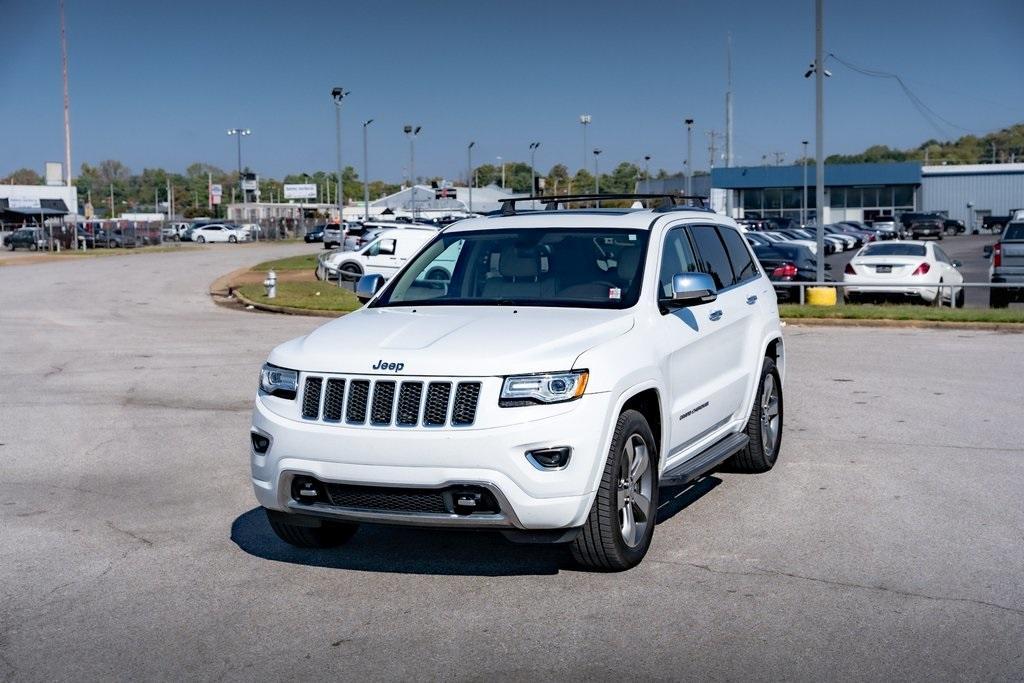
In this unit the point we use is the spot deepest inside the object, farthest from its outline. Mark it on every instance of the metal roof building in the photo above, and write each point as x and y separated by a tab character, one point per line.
971	191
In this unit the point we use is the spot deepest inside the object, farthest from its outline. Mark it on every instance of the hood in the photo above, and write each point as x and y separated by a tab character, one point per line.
464	341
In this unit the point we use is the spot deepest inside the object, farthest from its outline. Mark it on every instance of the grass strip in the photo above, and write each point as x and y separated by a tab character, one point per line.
311	296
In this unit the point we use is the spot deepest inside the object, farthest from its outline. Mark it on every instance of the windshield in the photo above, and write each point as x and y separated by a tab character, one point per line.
894	250
1014	231
577	267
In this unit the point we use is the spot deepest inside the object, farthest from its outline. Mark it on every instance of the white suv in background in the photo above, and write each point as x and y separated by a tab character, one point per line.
383	256
570	364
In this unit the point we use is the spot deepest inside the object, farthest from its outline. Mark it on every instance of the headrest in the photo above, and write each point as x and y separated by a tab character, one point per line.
629	260
518	263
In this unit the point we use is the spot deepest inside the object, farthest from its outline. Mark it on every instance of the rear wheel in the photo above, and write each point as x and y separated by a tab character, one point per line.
350	271
310	532
618	531
764	428
960	298
998	298
200	239
939	293
232	239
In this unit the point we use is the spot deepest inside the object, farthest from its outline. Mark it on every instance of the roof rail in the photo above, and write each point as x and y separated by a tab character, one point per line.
667	200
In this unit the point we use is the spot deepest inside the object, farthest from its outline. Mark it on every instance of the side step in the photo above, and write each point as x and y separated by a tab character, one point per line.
704	462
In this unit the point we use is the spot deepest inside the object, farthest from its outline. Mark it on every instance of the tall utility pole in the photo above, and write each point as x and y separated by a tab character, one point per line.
597	174
469	174
819	133
240	133
411	132
502	164
533	173
67	100
585	121
713	137
689	156
366	173
728	118
338	94
803	203
647	168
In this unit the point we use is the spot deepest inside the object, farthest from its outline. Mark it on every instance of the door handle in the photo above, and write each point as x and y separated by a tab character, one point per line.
715	315
752	299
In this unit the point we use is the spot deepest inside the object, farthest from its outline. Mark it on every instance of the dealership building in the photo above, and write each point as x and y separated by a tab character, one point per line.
865	191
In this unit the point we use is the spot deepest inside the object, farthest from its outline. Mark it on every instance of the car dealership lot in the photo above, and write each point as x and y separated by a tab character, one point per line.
885	543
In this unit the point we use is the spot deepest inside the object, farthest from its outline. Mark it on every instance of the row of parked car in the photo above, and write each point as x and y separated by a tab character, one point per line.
211	231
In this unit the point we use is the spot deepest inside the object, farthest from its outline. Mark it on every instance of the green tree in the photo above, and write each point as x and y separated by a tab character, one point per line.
23	176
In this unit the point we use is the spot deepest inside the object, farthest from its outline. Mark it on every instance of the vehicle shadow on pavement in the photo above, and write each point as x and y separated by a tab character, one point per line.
674	499
378	548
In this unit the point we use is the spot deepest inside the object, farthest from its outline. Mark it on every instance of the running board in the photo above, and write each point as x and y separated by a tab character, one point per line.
699	465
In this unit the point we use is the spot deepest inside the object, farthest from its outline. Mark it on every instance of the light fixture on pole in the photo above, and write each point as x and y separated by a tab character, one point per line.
803	204
533	173
338	94
689	156
647	167
585	121
366	173
469	174
240	133
411	132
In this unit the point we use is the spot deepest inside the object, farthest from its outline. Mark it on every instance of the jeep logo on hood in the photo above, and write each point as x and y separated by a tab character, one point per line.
384	365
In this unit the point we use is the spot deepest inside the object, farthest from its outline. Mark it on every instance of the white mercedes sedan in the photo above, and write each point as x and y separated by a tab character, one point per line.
909	269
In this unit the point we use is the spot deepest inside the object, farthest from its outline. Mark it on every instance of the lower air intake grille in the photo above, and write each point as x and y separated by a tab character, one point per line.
311	398
386	499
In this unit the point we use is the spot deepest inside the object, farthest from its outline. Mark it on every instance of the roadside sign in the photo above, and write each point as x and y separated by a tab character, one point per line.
216	191
300	191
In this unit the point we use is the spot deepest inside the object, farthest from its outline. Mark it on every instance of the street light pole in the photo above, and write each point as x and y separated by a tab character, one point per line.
803	204
469	174
411	132
338	94
597	175
819	141
533	173
689	156
239	133
502	163
366	174
585	121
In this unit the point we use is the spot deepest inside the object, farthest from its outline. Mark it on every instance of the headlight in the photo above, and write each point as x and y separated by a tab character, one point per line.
547	387
279	381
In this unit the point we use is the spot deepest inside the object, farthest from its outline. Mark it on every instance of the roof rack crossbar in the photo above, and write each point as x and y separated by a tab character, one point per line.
551	202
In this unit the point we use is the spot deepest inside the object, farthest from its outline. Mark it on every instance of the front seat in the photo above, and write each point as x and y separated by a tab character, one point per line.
520	277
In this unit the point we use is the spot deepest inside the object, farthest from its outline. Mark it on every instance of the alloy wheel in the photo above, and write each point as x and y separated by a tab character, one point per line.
636	485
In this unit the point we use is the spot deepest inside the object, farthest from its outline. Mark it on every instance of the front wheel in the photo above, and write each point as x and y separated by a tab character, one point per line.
350	271
310	532
764	428
232	239
618	531
200	239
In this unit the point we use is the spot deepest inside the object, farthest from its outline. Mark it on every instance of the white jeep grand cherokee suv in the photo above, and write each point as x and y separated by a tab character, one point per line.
575	361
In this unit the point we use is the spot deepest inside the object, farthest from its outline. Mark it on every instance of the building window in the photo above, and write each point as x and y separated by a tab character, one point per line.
837	197
772	199
903	196
752	200
792	198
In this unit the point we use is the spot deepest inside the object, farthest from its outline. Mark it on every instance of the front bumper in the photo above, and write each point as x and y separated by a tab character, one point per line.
490	457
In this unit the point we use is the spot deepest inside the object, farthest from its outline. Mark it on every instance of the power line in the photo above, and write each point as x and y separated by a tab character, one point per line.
927	112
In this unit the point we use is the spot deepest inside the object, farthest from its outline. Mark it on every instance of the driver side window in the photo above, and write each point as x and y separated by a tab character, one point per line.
676	257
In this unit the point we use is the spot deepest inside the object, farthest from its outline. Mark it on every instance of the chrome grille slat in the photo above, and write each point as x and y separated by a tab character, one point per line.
383	402
334	400
358	397
435	412
409	397
311	398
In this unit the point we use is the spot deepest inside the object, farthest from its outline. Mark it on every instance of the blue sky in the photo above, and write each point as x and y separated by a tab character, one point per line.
158	84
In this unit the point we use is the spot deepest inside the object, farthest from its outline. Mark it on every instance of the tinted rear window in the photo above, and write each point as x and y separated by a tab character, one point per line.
1014	231
894	250
711	255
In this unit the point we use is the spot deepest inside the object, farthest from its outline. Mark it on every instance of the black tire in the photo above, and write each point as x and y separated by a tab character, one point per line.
960	298
438	274
600	544
232	239
327	535
33	247
998	299
852	298
937	301
350	271
200	239
756	458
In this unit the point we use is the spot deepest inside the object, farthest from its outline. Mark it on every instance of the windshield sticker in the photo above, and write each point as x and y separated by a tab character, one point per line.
614	293
632	238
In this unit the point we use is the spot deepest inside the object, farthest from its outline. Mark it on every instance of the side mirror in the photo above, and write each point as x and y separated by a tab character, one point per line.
958	264
691	289
988	251
368	286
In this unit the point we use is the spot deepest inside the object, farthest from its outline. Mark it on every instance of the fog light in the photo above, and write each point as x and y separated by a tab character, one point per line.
550	458
306	490
260	443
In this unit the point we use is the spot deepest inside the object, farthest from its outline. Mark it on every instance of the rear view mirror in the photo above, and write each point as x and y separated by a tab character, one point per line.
368	286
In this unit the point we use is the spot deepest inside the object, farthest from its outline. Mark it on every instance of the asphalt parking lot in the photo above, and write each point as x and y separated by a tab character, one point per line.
886	544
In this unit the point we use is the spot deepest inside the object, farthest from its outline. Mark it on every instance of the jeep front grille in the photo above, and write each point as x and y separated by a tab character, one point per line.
390	402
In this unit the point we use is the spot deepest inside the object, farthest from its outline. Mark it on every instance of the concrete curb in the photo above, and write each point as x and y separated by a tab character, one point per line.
1013	328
